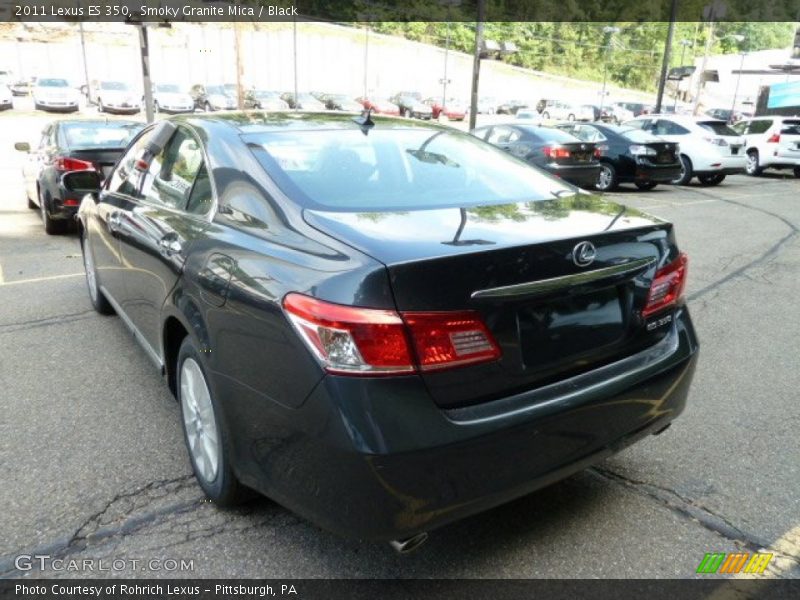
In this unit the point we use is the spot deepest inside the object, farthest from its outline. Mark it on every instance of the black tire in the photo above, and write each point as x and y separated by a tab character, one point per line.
709	180
96	296
645	185
100	107
224	488
686	172
607	179
37	106
753	166
155	107
207	107
51	226
545	115
31	203
571	118
797	172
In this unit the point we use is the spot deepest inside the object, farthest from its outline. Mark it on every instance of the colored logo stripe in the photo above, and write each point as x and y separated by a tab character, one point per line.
721	562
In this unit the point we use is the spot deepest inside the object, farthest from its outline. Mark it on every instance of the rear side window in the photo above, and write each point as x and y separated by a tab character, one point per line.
503	135
664	127
586	133
84	134
760	126
127	176
790	128
717	127
395	169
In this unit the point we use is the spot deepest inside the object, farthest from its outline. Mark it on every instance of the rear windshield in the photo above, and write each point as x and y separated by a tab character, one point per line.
216	89
114	85
639	136
717	127
168	88
395	169
557	136
99	135
790	127
53	83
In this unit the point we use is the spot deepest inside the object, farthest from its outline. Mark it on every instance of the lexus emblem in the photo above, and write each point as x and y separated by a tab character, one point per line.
583	254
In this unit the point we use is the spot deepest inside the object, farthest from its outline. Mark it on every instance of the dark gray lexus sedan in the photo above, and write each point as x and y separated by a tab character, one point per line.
381	324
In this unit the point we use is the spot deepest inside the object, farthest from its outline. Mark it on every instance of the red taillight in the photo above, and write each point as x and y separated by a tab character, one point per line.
555	152
775	138
367	341
71	202
667	286
449	339
65	163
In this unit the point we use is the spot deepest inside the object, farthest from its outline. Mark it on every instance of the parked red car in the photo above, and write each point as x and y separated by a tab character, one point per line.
452	109
381	106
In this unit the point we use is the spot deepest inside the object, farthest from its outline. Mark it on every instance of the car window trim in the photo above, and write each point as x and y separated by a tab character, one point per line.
207	217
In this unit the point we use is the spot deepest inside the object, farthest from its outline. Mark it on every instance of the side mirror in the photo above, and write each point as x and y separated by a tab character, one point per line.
22	147
82	182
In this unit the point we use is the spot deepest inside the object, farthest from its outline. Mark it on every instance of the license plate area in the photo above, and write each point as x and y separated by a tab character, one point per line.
567	329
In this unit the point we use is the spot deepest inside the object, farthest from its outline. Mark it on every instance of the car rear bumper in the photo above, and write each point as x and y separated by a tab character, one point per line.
729	165
580	175
57	106
657	173
375	458
122	110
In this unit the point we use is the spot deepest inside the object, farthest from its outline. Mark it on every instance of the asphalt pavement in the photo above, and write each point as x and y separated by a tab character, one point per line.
94	464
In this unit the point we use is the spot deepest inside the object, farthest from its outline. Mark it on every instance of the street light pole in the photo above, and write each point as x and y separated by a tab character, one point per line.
736	89
610	31
444	78
683	43
144	46
662	81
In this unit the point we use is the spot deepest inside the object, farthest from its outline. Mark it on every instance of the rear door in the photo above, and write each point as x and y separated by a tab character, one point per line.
116	196
789	140
158	227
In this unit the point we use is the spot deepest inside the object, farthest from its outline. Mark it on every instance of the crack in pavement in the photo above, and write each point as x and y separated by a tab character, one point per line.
764	257
689	508
120	523
47	321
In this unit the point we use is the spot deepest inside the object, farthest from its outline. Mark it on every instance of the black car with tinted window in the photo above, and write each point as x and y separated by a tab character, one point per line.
628	155
383	325
70	145
553	150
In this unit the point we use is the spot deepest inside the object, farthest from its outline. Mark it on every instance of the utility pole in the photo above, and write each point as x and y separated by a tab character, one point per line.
476	64
444	77
702	73
662	81
366	60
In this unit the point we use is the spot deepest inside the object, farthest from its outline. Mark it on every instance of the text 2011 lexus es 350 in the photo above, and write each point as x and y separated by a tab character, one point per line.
384	325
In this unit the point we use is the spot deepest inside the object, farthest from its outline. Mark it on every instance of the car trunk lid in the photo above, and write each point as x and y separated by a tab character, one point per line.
560	284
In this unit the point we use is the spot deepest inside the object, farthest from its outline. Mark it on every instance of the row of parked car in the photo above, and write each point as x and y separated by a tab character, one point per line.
652	149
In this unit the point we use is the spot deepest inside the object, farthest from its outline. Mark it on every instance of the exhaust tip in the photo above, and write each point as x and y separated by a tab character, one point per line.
408	545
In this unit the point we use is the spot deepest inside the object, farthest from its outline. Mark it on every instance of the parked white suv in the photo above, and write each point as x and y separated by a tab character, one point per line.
771	143
709	148
557	110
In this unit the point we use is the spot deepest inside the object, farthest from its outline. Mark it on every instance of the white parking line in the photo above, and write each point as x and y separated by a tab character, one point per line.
37	279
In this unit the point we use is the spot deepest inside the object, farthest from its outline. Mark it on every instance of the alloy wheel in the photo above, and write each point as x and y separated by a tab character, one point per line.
604	178
198	417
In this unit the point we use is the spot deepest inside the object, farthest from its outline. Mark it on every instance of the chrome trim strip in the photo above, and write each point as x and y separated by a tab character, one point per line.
134	330
543	286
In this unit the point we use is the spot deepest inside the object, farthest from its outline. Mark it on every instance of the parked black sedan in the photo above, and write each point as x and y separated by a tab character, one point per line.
555	151
70	145
629	155
383	325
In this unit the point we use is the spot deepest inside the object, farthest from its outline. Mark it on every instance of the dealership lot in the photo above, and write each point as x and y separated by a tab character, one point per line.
97	467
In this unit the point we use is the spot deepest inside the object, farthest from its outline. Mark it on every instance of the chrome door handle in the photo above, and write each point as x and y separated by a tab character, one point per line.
169	246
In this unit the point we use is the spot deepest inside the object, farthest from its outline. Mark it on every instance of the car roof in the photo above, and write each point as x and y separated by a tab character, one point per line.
262	121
